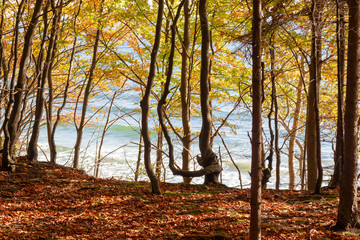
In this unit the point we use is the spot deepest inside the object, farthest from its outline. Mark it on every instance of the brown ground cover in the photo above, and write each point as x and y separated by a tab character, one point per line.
55	202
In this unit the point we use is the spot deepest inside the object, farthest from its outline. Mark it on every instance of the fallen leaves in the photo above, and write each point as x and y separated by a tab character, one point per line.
55	202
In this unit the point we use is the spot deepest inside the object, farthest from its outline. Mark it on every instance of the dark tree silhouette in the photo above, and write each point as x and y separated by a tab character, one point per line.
348	205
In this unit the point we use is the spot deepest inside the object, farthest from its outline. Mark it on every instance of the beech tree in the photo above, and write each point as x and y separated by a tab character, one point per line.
185	92
208	157
65	43
88	88
44	73
11	127
145	103
51	125
256	140
340	44
312	120
348	216
210	168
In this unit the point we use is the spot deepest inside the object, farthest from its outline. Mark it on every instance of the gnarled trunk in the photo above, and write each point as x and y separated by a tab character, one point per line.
208	157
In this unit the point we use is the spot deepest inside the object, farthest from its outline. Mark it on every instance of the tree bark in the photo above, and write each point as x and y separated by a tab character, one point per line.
316	52
32	152
89	85
45	72
348	205
270	157
255	201
185	93
51	128
294	130
208	157
176	171
12	126
312	118
145	103
340	41
4	70
276	119
10	87
159	151
137	170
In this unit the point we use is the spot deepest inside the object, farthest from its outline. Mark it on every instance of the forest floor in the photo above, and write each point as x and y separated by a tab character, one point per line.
54	202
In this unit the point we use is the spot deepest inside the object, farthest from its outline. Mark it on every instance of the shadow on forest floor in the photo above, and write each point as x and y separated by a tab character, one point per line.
48	201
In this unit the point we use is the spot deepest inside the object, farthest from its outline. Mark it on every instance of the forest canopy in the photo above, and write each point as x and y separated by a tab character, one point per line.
185	80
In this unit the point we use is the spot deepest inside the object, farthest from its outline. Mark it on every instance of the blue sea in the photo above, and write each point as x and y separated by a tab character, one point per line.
121	144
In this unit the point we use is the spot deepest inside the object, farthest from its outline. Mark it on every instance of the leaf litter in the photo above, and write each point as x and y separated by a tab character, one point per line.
46	201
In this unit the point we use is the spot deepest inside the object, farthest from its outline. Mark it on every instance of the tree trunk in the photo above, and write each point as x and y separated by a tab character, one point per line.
160	109
4	70
137	170
145	103
45	72
276	121
340	41
208	157
312	122
51	128
80	128
10	88
348	204
12	127
32	152
316	52
185	94
255	201
159	151
267	171
294	130
107	125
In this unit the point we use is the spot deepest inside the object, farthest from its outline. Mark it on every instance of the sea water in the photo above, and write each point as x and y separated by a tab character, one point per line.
121	144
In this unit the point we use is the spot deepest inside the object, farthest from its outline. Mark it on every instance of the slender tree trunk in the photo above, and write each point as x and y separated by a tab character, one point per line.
303	173
339	147
276	119
145	103
348	205
159	149
107	125
32	152
4	70
301	160
255	201
312	118
294	130
185	94
137	170
45	72
316	52
267	174
51	128
12	127
89	85
81	126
